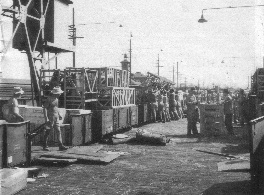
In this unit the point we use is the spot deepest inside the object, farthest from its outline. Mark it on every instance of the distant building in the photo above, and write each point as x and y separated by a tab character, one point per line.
139	77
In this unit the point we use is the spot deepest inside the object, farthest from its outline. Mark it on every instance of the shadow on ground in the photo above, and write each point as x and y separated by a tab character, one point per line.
236	188
236	149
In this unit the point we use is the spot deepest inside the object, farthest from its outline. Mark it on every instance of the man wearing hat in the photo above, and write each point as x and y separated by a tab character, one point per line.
52	117
193	113
228	111
152	99
11	110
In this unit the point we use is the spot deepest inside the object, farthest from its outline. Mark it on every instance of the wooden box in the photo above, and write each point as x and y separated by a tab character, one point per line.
12	180
115	119
87	131
1	142
134	115
212	119
256	148
141	114
77	123
102	123
123	118
36	114
17	148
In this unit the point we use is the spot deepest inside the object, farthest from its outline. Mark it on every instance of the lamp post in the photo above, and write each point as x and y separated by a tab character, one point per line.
203	20
130	56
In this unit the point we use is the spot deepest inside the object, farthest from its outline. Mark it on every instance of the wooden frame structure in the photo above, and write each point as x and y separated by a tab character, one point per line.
49	78
111	77
35	45
256	142
257	83
112	97
80	85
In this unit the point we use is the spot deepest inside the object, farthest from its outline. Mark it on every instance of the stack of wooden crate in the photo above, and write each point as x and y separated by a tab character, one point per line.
75	125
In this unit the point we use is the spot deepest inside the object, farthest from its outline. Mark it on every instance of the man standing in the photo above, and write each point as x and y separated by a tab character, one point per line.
241	106
52	117
152	99
11	110
193	114
228	111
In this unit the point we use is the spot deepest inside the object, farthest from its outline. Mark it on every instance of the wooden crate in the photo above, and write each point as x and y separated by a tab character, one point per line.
256	138
1	142
12	180
134	115
121	118
80	85
212	119
87	131
124	118
111	77
77	123
115	97
102	124
141	117
115	119
17	148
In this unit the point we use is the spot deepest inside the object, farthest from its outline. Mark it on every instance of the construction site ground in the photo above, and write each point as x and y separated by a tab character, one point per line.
145	169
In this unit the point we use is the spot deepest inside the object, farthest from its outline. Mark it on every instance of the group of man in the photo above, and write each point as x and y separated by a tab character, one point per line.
193	113
164	105
51	113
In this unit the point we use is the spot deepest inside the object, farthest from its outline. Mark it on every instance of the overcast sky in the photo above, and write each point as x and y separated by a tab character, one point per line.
226	50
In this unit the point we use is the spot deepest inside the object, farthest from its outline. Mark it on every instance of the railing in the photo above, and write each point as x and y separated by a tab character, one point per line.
110	77
80	86
112	97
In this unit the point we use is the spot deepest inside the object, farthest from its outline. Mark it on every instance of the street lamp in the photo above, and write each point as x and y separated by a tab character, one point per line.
203	20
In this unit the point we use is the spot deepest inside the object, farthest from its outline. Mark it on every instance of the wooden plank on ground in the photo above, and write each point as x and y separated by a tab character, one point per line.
216	153
12	180
45	159
234	165
84	149
91	156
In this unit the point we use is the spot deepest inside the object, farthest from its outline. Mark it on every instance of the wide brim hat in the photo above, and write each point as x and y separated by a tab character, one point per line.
18	90
57	90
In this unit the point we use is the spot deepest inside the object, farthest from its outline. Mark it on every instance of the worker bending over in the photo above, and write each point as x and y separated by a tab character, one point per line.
11	110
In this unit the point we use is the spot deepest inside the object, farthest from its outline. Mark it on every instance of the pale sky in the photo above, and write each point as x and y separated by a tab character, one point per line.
231	36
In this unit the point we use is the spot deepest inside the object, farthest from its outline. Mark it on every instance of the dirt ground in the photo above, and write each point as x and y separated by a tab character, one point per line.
176	168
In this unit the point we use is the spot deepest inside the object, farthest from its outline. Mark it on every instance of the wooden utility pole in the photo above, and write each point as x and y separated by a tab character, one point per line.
130	56
185	83
73	36
74	40
177	76
173	74
158	65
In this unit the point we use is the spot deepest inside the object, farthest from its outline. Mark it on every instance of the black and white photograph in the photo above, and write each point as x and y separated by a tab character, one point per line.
131	97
